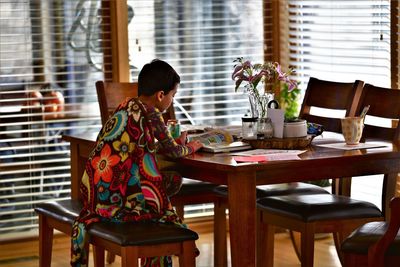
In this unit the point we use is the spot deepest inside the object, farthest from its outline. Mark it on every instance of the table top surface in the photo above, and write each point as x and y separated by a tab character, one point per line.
225	161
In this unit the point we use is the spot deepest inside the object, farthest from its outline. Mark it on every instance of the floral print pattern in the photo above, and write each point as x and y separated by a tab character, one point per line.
103	165
124	146
122	181
102	189
115	126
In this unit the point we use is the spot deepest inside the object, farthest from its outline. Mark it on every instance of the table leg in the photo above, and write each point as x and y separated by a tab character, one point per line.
242	218
75	170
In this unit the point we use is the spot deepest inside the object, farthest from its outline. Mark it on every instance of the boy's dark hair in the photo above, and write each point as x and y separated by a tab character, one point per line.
157	76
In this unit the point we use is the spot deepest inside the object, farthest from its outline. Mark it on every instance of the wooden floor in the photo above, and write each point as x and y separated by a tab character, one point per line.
26	253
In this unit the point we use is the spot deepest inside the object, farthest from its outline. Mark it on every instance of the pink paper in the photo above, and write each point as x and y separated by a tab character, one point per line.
256	158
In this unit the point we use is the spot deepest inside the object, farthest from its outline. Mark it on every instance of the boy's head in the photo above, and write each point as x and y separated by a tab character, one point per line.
157	76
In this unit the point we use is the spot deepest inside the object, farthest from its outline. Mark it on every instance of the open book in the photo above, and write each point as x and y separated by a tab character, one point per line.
218	140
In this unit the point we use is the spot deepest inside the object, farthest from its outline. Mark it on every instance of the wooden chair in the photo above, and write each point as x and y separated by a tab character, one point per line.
325	213
192	192
337	214
335	96
130	240
363	244
375	244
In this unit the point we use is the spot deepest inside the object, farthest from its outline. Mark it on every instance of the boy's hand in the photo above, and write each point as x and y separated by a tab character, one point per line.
182	138
195	145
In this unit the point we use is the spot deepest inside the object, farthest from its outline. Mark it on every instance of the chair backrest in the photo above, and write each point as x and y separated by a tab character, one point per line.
330	95
384	103
111	94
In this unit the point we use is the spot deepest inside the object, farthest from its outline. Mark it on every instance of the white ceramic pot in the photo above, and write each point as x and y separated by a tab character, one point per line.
296	128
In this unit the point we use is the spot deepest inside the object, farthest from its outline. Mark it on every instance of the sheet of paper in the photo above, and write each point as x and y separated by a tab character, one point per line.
283	156
257	158
343	145
269	157
261	151
277	118
261	155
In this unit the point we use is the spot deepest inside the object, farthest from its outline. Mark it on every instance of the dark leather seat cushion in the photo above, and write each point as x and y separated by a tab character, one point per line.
360	240
63	210
318	207
144	233
281	189
140	233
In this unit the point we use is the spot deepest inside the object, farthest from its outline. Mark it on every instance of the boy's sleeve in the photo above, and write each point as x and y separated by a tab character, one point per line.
167	145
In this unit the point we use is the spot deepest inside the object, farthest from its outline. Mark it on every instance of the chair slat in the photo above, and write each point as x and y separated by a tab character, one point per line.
330	95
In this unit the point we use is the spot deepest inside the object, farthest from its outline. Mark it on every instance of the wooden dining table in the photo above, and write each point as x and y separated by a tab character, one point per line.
242	178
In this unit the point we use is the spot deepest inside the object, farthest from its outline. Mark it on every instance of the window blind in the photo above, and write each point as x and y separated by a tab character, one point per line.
340	40
50	58
200	39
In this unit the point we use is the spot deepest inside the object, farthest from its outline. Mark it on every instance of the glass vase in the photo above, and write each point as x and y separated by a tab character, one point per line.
263	101
253	105
259	103
265	128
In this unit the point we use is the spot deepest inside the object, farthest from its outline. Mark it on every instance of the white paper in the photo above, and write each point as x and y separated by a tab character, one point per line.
283	156
344	146
277	118
261	151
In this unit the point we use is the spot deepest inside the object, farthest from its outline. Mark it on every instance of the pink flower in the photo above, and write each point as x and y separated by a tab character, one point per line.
269	72
237	72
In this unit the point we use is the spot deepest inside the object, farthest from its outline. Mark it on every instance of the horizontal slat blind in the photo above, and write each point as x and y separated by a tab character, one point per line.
49	50
341	40
200	39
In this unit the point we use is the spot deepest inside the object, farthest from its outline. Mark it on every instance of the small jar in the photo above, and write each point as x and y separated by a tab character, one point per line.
249	128
265	127
296	128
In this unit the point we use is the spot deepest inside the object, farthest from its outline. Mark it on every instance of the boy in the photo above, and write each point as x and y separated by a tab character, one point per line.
122	182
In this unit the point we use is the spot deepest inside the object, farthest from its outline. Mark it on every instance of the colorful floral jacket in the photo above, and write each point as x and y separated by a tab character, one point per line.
122	182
